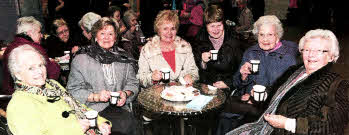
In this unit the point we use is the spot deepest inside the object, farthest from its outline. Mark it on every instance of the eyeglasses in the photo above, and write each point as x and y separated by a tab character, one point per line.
62	32
266	35
317	52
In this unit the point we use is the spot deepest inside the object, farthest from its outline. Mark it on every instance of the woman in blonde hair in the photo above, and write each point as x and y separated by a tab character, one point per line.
166	50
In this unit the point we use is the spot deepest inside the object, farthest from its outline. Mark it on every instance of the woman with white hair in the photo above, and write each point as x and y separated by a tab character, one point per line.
48	107
28	32
87	22
313	100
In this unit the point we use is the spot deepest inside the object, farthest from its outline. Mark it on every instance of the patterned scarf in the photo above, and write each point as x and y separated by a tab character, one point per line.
262	127
55	94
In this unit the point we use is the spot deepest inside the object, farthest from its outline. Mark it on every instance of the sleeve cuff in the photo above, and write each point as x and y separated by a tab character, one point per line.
290	125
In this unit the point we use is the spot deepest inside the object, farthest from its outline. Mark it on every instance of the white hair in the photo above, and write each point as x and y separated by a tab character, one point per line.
13	65
88	20
268	19
24	24
323	34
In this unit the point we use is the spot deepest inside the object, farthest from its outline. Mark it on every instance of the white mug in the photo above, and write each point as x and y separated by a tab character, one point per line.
214	55
165	74
259	93
91	116
255	65
114	97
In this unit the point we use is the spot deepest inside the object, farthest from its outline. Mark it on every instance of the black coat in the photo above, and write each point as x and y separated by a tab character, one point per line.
229	58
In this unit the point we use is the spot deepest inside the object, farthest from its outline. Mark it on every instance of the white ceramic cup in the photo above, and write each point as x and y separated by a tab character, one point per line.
114	97
165	73
142	39
259	93
214	55
255	65
91	116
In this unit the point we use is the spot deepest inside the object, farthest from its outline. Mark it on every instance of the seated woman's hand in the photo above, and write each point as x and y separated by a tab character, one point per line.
277	121
220	85
104	128
85	124
246	98
188	79
245	70
102	96
206	56
156	75
122	99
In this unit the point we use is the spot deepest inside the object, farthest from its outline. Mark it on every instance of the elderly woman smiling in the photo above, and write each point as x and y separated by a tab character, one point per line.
314	99
37	106
166	50
102	68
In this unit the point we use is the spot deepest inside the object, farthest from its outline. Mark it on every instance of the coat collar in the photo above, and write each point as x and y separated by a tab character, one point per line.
153	46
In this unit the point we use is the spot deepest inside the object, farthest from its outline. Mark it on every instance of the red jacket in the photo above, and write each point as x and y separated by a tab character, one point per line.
53	69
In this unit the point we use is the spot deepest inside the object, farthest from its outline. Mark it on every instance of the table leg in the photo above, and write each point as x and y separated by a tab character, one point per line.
182	126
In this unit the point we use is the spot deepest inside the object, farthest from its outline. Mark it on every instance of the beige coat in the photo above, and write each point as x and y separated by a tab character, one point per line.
151	59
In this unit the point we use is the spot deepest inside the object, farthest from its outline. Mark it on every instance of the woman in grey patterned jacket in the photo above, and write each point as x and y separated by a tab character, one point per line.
102	68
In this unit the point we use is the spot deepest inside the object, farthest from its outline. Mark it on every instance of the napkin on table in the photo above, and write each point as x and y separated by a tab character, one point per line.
199	102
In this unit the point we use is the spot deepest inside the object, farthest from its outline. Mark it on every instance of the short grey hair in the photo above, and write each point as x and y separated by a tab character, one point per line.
128	15
13	65
323	34
268	19
88	20
24	24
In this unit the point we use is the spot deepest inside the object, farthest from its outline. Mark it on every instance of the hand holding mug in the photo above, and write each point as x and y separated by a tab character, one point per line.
104	128
85	124
104	95
245	70
122	99
206	56
156	75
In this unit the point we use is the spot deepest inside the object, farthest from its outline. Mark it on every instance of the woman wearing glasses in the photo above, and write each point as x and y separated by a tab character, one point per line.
313	100
275	57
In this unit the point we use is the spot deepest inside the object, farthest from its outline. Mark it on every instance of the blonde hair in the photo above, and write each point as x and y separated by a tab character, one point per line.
268	19
323	34
166	15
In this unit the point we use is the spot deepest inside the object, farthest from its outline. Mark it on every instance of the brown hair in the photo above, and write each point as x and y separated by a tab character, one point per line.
100	24
213	13
166	15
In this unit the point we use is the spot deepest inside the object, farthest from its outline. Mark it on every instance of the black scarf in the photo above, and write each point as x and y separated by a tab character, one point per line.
106	56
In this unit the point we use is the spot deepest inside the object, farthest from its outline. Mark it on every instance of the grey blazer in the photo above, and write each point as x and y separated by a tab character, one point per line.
86	77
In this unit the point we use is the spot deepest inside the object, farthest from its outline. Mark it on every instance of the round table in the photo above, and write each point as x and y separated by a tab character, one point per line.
151	100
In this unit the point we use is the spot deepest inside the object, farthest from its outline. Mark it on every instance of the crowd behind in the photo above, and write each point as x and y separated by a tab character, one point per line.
57	76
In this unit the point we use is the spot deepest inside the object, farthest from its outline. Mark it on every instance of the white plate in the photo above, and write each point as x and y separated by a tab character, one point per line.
179	93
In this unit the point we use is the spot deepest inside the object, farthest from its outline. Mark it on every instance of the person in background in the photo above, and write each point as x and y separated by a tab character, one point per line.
86	24
115	13
133	32
28	32
43	100
314	99
60	40
102	68
217	36
166	50
245	20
